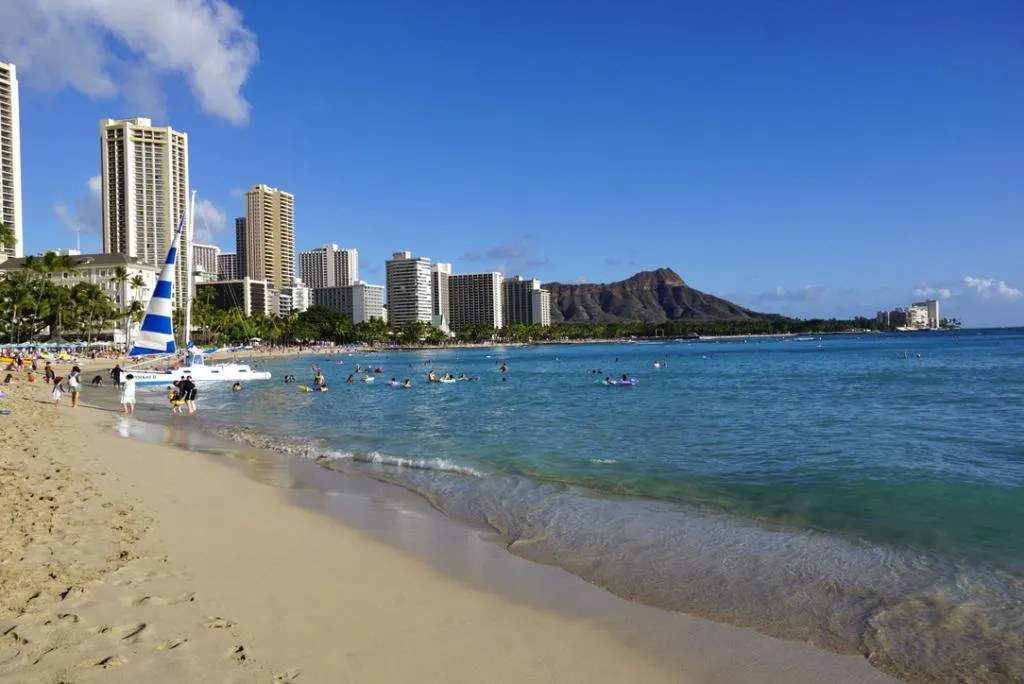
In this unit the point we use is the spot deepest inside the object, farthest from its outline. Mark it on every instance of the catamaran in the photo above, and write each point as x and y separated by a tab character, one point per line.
156	335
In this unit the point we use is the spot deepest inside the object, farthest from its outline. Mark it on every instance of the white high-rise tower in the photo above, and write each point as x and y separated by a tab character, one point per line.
10	159
145	189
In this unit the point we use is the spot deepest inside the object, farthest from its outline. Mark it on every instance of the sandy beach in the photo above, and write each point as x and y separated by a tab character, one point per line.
126	561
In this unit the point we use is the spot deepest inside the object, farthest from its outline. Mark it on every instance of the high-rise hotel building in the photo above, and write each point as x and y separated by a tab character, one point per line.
439	276
145	187
329	266
408	289
524	301
10	159
266	239
475	299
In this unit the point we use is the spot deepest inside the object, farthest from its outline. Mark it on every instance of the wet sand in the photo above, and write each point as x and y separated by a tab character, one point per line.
162	557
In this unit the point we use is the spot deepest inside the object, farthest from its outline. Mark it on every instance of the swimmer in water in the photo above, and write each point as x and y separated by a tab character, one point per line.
237	387
407	384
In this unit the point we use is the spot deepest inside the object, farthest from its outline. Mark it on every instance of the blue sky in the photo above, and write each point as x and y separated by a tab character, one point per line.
811	158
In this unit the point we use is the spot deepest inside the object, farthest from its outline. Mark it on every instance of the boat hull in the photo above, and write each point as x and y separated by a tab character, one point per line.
228	372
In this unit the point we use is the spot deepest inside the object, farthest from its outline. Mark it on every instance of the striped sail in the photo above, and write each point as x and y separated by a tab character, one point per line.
157	333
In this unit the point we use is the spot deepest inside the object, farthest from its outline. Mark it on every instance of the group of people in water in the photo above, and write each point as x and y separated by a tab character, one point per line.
367	375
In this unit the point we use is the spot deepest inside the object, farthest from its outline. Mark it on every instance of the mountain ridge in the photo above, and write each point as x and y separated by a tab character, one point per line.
648	296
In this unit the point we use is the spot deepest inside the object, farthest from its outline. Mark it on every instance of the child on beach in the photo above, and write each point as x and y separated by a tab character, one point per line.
128	395
57	391
75	385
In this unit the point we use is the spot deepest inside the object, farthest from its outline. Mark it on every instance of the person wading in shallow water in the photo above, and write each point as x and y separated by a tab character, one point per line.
187	390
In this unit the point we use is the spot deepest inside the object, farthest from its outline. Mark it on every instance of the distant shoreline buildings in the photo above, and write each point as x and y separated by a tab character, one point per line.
145	190
918	316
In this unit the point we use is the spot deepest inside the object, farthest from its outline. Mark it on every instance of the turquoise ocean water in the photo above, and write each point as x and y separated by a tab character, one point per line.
863	493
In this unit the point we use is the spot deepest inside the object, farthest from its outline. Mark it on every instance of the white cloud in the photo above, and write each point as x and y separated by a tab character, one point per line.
937	292
989	288
87	216
209	220
108	47
781	294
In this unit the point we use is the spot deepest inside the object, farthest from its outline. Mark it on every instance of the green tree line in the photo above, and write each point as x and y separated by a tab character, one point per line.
33	299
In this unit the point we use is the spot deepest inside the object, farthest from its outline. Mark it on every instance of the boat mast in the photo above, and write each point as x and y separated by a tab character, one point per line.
190	270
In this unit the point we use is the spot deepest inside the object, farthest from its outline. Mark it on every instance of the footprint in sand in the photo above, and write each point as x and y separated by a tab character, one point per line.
105	663
286	677
172	644
218	623
130	632
238	653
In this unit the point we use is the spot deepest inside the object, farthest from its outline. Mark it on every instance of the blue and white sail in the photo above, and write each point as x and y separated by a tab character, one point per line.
156	336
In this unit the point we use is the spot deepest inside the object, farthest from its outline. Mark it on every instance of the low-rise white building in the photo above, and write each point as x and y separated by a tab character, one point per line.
359	302
101	270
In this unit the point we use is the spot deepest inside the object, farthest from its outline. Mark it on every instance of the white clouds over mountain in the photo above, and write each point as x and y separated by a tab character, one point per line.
104	48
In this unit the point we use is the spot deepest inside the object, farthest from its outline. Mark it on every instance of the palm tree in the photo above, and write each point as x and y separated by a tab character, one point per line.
119	278
134	313
137	283
93	308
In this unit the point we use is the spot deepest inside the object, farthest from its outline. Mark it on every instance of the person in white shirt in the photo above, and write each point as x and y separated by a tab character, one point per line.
128	395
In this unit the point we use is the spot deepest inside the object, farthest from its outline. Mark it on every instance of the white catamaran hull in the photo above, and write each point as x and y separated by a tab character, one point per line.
227	372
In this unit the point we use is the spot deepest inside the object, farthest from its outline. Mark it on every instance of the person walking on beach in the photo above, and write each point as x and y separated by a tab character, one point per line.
75	385
128	395
58	392
115	375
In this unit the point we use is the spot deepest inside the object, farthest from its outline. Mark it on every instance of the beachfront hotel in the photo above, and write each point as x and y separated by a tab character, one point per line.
204	262
408	289
250	295
524	301
918	316
266	238
329	266
475	299
227	266
358	302
10	159
439	276
144	191
100	270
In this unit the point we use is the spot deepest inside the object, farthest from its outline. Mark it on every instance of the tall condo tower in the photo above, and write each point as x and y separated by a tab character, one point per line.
144	192
439	278
266	248
408	289
10	159
328	266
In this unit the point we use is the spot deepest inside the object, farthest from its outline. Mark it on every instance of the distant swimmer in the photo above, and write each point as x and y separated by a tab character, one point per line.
407	384
504	367
319	380
350	379
237	387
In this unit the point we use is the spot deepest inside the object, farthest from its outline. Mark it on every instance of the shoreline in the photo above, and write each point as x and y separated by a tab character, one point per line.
342	572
